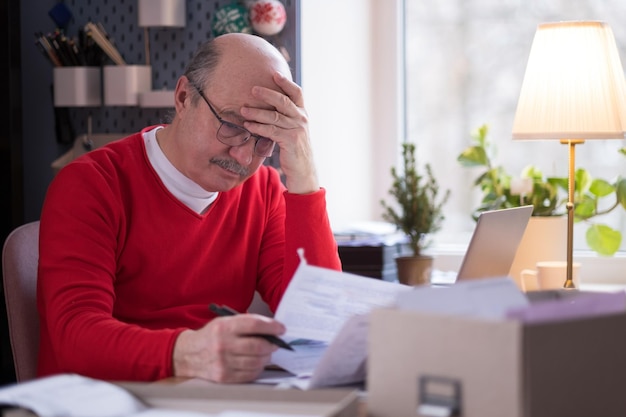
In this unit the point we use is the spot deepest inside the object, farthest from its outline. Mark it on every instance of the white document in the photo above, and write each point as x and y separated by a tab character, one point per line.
489	298
343	361
325	312
71	395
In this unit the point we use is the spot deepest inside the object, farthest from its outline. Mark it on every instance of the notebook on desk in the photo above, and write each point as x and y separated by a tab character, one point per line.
493	245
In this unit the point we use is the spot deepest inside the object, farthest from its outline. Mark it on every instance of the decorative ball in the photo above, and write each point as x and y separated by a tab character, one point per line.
232	18
268	17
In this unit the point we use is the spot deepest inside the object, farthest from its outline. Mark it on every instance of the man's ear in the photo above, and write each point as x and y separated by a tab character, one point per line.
182	94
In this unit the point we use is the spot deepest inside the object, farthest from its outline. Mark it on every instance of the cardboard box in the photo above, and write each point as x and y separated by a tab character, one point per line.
495	368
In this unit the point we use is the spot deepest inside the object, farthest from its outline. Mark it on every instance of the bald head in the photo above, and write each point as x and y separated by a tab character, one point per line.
249	47
236	58
243	81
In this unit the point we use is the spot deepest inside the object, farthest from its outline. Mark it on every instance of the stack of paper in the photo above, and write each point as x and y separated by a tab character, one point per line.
326	315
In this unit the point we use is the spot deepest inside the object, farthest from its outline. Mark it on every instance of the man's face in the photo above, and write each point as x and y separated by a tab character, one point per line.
245	62
212	164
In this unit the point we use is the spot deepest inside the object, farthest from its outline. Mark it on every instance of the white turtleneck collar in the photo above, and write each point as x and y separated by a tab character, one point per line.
184	189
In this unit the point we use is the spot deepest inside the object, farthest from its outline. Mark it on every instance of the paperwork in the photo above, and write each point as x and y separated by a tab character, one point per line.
70	395
369	234
501	299
325	312
488	298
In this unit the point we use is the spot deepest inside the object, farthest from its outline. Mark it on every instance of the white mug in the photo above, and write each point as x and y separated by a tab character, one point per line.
548	275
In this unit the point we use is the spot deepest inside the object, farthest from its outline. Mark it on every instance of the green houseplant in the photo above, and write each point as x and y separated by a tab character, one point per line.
548	195
418	212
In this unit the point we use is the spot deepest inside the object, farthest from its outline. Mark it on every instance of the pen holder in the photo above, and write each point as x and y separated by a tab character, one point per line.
77	86
124	83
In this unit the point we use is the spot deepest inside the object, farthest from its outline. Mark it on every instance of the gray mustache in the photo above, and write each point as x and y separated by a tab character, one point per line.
230	165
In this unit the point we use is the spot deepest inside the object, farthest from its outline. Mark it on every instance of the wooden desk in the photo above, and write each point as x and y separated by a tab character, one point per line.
77	396
196	382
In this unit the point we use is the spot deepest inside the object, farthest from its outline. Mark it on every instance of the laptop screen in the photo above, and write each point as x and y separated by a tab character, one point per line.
493	245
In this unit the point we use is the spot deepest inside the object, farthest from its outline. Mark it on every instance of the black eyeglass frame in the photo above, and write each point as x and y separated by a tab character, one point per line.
227	140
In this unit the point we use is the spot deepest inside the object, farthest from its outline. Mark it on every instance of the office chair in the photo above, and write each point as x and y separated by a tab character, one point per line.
20	257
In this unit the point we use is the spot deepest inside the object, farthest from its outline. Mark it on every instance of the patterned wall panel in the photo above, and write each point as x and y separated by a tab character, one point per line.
170	50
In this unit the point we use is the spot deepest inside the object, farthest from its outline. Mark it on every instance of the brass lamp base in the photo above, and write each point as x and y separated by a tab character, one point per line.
571	178
569	284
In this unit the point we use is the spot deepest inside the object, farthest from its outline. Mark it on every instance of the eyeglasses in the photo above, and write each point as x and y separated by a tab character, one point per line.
234	135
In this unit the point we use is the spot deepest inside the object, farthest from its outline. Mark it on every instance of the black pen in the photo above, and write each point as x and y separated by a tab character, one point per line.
227	311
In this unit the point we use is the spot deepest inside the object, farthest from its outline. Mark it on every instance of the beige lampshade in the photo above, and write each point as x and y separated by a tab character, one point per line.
574	85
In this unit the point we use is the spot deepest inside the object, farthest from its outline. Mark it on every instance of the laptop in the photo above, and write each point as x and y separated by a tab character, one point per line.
493	245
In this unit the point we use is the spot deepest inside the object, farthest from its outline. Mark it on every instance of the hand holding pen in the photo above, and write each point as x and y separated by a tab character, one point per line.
224	311
226	350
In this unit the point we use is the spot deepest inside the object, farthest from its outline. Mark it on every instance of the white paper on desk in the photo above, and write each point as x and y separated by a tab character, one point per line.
345	359
71	395
318	301
489	298
341	362
317	305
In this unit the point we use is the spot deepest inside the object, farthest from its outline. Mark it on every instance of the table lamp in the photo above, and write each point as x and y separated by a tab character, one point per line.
573	90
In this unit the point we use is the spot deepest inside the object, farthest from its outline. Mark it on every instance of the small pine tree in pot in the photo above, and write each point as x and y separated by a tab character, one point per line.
419	214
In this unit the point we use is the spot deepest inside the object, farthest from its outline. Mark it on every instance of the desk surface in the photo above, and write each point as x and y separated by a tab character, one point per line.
195	382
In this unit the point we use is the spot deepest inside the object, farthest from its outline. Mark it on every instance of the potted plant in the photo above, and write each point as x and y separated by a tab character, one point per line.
548	195
418	214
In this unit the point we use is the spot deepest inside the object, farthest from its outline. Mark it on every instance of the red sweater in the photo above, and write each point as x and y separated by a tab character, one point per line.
125	267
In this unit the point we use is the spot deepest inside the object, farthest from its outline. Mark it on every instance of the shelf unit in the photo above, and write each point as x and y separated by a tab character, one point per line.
165	48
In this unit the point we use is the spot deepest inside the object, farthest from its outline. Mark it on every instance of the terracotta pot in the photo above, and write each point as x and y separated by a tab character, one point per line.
414	270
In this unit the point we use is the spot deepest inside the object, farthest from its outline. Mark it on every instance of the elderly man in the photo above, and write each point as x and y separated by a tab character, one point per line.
140	236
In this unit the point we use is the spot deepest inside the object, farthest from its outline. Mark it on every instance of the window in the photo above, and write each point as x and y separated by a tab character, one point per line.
465	60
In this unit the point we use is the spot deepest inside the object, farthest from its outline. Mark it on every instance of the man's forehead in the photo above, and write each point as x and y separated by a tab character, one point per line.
241	51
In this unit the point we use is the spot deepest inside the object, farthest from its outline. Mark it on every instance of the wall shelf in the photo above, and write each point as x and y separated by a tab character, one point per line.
157	99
